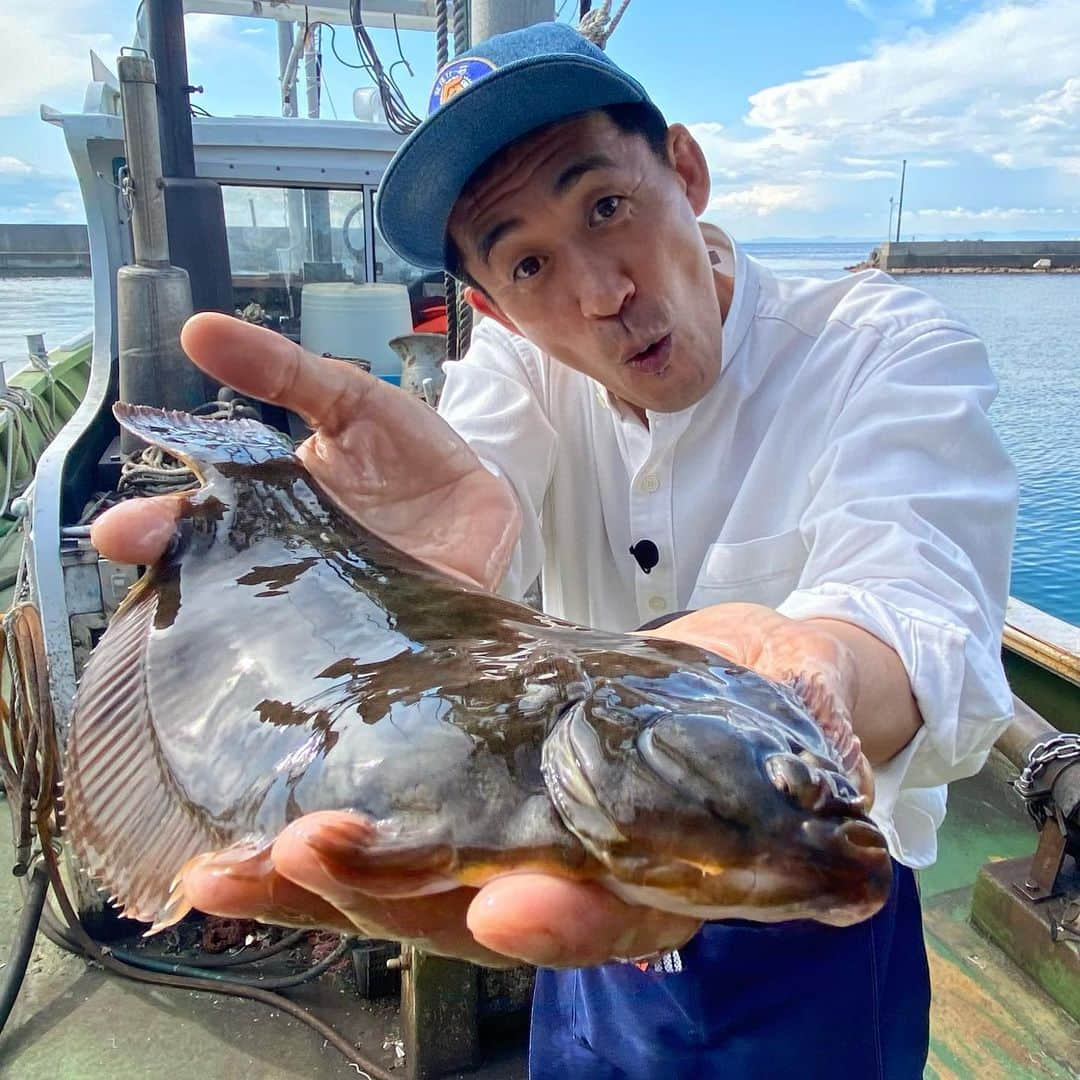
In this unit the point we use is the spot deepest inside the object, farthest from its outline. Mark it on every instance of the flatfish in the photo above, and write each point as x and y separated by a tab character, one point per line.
280	659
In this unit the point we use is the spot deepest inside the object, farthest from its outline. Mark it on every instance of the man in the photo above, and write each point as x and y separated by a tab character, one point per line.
654	422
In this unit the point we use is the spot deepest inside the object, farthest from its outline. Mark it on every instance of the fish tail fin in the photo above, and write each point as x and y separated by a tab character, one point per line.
125	814
199	441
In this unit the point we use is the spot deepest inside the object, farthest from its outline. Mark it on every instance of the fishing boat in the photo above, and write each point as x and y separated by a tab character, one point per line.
268	218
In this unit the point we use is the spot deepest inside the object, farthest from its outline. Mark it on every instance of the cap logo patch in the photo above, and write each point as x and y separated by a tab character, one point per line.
456	76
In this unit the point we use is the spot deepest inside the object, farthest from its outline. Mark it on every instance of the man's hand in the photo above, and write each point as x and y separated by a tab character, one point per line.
853	683
399	469
388	459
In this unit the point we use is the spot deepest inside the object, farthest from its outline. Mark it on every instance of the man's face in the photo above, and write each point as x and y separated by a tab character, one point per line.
587	244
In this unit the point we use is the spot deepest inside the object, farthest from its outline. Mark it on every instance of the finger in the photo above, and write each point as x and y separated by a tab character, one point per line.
137	531
241	883
269	366
555	922
309	853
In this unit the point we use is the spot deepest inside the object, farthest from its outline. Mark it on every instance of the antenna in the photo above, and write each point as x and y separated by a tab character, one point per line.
900	209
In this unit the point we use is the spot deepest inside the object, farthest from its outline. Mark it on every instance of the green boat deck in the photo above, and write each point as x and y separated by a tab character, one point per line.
989	1020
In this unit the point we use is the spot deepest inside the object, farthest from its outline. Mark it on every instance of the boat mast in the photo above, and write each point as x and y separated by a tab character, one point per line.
194	210
490	17
168	47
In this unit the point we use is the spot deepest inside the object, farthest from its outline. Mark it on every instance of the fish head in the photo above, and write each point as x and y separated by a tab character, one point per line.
704	800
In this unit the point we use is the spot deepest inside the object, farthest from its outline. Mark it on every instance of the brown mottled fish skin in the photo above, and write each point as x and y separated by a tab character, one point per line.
281	660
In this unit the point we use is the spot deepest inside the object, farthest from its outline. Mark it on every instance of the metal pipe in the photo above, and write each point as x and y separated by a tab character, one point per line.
289	73
168	47
288	83
311	76
138	81
490	17
318	201
1027	728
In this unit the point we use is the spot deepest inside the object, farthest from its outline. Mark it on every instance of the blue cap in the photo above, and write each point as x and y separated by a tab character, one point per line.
483	100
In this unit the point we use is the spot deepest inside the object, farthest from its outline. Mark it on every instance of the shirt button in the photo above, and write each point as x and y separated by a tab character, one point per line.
650	483
657	603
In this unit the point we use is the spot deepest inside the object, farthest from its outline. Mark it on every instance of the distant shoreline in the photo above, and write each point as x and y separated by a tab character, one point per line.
867	264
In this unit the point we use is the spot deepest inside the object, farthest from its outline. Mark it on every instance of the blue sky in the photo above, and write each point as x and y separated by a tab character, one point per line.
804	109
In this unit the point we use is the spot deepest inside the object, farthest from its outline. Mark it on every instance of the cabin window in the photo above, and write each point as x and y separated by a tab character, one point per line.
281	238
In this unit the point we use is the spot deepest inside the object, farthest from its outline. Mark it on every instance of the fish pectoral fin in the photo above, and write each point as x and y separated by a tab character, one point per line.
127	818
200	442
337	853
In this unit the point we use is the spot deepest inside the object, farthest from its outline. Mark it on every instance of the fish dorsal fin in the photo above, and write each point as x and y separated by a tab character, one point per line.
126	815
200	442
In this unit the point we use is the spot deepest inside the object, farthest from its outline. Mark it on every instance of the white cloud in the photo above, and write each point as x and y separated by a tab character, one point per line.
892	13
45	51
761	200
999	87
942	90
13	166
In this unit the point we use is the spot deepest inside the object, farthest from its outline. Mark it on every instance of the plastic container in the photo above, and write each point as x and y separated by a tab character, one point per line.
356	322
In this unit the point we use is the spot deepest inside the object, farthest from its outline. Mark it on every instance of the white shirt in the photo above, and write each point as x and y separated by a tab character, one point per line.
841	466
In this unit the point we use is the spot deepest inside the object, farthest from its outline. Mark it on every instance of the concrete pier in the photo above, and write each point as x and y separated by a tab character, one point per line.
978	256
44	251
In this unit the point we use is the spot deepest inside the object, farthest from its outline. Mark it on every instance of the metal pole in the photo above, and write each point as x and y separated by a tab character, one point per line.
144	165
288	84
311	77
900	209
318	202
165	28
490	17
294	199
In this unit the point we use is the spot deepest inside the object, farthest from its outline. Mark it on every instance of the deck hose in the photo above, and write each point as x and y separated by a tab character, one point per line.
23	944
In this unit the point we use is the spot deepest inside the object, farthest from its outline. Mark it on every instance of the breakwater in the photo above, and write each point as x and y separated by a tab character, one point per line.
44	251
977	256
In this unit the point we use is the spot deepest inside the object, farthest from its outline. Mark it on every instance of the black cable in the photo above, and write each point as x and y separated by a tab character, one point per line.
399	115
275	982
23	944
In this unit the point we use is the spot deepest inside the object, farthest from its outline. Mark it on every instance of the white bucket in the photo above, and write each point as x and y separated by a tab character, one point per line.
356	322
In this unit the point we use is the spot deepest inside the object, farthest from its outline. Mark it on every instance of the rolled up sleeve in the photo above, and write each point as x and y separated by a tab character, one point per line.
909	531
493	399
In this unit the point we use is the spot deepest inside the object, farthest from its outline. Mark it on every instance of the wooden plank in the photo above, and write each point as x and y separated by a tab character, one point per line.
1043	639
988	1020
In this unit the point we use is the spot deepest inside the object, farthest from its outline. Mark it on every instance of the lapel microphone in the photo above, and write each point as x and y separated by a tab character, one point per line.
646	554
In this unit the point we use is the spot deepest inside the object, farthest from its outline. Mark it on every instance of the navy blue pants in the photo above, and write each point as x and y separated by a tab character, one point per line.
753	1000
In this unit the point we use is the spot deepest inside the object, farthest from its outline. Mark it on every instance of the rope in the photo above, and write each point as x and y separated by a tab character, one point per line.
461	26
442	49
458	312
24	413
596	24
